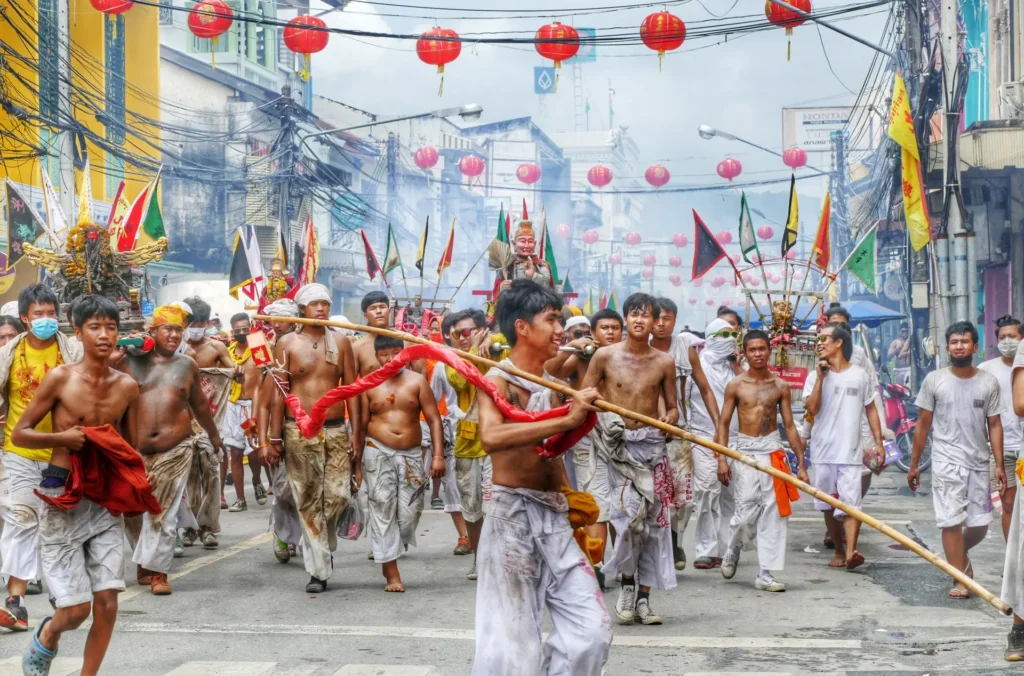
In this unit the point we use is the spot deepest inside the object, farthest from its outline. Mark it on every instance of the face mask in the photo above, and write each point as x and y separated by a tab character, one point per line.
195	334
1008	346
211	331
44	328
720	348
240	337
961	362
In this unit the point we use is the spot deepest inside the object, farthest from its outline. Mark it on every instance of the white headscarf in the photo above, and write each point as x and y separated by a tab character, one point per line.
714	358
10	309
576	321
311	293
284	307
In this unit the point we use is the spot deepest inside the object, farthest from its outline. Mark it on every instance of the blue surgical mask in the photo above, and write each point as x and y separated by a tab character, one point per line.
44	328
212	332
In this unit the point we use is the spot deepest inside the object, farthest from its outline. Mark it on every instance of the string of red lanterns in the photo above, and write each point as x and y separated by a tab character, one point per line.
729	168
657	175
528	173
471	165
794	157
663	32
305	35
426	157
599	176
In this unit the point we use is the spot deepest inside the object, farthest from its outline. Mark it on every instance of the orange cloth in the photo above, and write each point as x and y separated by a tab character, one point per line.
110	473
591	546
784	492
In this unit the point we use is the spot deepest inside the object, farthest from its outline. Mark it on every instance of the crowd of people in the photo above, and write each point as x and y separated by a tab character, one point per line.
545	533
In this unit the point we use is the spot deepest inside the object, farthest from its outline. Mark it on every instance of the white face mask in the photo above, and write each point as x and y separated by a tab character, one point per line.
1008	346
195	333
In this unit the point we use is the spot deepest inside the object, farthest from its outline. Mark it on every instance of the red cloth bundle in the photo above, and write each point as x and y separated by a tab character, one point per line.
311	423
110	473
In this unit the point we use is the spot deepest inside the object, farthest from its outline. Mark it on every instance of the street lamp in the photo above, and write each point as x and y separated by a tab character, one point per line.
707	133
470	113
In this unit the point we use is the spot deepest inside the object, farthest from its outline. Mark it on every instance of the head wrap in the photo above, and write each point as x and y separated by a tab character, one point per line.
282	308
576	321
185	307
575	311
340	318
716	325
311	293
10	309
168	314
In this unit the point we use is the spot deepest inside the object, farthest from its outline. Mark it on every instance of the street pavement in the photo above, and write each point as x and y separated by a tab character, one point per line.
236	611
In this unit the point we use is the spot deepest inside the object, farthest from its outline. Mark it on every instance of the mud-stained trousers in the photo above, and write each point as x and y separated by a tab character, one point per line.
392	477
204	484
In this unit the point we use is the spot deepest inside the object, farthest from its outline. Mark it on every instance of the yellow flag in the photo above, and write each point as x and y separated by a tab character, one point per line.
915	206
792	220
901	119
85	197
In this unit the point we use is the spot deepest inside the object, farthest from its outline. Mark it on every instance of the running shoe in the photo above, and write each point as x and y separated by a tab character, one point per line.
471	575
179	546
281	552
13	615
239	506
707	562
463	548
436	503
625	607
679	558
188	538
34	588
766	582
1015	644
732	559
209	539
644	614
316	586
159	585
261	494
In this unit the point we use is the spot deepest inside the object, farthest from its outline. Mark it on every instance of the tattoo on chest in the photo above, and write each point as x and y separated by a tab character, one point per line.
768	400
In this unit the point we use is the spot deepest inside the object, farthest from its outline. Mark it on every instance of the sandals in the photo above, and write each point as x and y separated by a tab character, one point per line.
37	660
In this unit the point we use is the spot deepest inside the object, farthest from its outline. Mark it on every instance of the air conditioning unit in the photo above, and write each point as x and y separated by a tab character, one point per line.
1011	100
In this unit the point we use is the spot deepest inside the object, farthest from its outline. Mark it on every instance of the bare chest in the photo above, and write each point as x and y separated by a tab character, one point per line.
394	397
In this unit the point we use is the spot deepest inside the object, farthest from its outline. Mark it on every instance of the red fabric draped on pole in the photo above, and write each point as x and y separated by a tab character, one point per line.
311	423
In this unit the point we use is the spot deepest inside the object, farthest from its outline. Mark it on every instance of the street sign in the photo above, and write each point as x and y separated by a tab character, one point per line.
811	128
588	46
147	308
543	80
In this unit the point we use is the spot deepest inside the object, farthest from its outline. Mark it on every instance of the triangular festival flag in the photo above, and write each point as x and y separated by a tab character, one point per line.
748	242
792	220
240	275
392	256
24	226
449	251
422	251
822	241
85	197
613	302
588	307
707	250
862	262
372	266
548	250
152	227
502	235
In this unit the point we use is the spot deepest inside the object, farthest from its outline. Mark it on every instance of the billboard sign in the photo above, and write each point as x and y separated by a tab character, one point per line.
811	128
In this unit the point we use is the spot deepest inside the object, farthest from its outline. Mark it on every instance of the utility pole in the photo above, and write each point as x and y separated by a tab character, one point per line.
392	173
953	226
65	140
284	196
839	224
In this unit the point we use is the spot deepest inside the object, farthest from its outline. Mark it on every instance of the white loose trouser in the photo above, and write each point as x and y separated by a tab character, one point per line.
19	505
1013	567
757	519
449	486
528	561
714	504
284	515
392	477
155	547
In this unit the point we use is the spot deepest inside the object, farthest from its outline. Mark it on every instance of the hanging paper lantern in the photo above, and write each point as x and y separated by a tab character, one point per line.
657	175
710	302
112	7
425	157
729	168
650	259
208	20
754	282
615	258
557	41
648	273
599	176
471	165
675	279
765	232
747	277
774	278
675	261
305	34
439	47
718	281
563	231
735	258
791	254
794	158
798	275
663	32
699	282
787	18
591	237
633	238
691	300
724	237
742	302
679	239
528	173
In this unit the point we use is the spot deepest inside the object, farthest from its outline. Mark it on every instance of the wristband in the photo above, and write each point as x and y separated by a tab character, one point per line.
275	441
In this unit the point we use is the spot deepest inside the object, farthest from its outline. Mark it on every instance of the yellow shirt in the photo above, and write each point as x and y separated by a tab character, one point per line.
467	432
27	371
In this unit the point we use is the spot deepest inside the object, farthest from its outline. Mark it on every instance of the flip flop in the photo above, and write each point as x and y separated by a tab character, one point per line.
969	569
854	561
955	593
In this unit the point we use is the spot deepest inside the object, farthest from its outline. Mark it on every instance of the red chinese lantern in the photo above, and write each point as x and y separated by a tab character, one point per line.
663	32
675	261
650	259
648	273
615	258
633	238
208	20
765	232
699	282
558	42
794	158
742	302
528	173
691	300
599	176
471	165
724	237
675	279
718	281
754	282
439	47
591	237
787	18
729	168
425	157
657	175
679	239
747	277
791	254
735	258
111	7
563	231
798	275
306	34
710	302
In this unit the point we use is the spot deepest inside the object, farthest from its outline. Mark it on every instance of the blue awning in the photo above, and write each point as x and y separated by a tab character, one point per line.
861	312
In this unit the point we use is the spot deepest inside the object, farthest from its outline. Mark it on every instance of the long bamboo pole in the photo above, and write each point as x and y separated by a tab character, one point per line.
881	527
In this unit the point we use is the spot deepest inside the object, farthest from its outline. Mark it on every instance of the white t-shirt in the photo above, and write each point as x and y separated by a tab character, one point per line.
1012	431
443	389
680	351
836	434
960	410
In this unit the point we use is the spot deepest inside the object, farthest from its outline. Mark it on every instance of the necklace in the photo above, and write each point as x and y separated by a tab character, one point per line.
316	343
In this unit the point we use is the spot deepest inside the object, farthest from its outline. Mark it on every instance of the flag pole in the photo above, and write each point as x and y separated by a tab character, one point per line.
832	277
468	273
803	283
747	290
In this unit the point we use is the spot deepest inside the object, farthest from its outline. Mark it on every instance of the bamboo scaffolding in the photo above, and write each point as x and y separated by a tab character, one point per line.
864	518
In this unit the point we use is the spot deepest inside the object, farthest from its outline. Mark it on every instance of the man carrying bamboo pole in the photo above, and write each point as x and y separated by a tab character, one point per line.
762	504
1013	567
634	375
528	560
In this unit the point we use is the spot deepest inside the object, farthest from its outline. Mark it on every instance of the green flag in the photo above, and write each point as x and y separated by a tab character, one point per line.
549	254
502	231
862	262
152	220
392	256
748	242
613	302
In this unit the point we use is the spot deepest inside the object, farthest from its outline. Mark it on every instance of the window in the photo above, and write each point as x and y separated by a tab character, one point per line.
114	78
166	13
48	60
261	40
115	174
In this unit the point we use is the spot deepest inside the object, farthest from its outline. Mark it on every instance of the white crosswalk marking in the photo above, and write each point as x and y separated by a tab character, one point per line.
223	669
383	670
213	668
62	666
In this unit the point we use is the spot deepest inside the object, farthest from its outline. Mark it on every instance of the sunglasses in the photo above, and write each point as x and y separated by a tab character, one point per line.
727	334
822	339
464	333
579	334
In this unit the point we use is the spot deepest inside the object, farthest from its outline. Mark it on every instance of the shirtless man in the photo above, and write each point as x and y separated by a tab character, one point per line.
82	548
527	560
392	461
169	397
204	489
315	360
759	395
240	411
377	311
634	375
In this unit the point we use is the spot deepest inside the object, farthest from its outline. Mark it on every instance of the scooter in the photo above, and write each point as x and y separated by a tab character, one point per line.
901	417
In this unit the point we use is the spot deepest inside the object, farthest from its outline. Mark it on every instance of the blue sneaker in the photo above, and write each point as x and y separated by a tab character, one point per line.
37	660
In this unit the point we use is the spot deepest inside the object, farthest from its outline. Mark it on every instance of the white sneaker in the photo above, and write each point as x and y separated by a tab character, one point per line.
625	607
765	582
472	572
644	614
179	546
732	558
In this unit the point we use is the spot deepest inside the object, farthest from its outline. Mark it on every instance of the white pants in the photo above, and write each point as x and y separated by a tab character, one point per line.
392	476
529	561
592	477
1013	568
714	504
284	515
449	486
231	432
155	548
473	476
680	457
19	505
839	481
757	517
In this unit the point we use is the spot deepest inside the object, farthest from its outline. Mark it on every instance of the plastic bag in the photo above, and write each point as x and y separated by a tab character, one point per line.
353	520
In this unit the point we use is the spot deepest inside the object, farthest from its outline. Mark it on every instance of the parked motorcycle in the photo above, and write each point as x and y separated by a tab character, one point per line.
901	417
